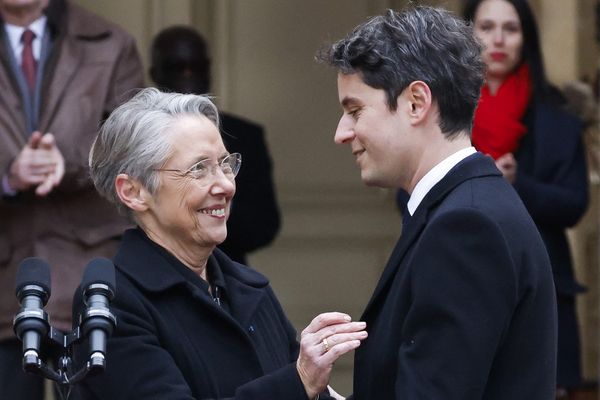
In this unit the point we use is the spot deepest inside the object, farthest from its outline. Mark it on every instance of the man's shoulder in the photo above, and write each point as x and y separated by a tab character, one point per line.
233	124
87	25
480	187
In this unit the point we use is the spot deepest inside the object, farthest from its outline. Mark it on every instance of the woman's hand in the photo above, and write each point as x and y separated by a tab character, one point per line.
323	341
507	164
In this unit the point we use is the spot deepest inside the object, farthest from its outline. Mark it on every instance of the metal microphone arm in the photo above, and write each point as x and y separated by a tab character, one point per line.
96	322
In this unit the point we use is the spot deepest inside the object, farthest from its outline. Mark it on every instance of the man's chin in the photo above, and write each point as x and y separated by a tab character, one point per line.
368	179
373	181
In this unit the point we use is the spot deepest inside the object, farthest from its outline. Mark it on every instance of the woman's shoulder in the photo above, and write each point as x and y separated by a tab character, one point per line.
551	116
556	104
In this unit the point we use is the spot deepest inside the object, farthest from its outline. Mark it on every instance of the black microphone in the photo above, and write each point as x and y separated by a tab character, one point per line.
97	322
31	323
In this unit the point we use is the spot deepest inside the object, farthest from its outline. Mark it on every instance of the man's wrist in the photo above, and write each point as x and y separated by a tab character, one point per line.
7	190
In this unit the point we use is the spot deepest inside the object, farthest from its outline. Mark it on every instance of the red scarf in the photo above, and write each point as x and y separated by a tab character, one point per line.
497	127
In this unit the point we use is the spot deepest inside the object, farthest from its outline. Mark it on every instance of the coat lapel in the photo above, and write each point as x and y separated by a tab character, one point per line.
402	246
9	98
246	288
474	166
69	61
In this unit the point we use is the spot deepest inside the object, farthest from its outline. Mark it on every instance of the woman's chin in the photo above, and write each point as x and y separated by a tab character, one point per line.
220	238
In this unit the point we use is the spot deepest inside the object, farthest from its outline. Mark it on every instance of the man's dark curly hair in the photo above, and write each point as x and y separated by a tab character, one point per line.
419	44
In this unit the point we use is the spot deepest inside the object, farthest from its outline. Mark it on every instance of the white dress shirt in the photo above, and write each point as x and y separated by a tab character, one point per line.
435	175
15	33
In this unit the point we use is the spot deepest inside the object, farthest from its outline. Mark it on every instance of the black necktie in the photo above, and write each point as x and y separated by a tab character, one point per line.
405	219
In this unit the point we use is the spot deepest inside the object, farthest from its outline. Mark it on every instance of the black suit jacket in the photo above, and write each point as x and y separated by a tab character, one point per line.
465	308
254	220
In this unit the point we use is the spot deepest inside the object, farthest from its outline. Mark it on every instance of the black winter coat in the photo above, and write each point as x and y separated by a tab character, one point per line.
172	341
552	181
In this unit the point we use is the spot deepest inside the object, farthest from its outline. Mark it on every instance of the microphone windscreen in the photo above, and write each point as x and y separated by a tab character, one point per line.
99	270
33	271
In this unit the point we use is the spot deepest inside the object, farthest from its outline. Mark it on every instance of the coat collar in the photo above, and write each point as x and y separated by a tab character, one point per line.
474	166
142	263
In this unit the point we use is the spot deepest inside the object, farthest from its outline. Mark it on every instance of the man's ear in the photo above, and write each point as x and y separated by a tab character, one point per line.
418	95
132	193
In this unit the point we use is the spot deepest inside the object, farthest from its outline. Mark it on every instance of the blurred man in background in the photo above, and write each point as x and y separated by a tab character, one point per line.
62	70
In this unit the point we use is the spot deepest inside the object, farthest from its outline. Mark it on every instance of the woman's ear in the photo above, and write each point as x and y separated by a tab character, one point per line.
132	193
419	96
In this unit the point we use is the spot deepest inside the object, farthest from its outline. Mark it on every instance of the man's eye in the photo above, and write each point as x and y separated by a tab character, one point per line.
354	113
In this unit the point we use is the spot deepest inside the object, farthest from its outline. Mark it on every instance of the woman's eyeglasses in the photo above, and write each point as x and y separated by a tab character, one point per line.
203	170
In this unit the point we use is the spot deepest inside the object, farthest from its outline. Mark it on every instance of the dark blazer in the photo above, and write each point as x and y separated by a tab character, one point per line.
465	308
552	181
172	341
93	65
254	220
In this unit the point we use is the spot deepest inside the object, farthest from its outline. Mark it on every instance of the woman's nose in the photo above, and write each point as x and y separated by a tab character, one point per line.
222	184
498	36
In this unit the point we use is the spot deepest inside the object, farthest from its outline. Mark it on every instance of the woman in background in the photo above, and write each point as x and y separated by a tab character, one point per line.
521	122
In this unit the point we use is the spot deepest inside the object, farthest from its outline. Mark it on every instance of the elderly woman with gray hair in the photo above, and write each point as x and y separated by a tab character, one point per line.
192	323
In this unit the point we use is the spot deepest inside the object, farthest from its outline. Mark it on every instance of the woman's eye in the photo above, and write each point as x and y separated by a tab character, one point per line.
198	169
512	28
485	27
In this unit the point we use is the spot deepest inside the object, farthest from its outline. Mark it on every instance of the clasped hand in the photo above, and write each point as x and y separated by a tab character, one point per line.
40	164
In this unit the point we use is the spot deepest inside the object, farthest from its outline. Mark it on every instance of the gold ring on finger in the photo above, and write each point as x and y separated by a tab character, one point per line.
325	345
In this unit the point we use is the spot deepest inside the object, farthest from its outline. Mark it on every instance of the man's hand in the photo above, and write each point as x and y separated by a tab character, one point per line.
323	341
40	164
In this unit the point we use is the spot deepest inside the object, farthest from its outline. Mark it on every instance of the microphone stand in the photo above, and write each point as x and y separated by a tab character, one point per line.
64	377
96	323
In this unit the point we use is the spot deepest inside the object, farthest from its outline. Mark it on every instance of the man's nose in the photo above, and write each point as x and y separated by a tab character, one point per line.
345	130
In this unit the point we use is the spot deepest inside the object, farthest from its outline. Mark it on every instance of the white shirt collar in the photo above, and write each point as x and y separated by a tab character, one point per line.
435	175
15	32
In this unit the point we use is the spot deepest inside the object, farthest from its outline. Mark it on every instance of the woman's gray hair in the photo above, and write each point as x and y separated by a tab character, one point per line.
134	139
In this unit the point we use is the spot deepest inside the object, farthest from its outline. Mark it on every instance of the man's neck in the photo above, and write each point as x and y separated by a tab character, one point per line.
22	16
436	153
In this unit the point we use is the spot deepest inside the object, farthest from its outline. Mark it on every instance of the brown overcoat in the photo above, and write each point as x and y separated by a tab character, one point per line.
92	67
